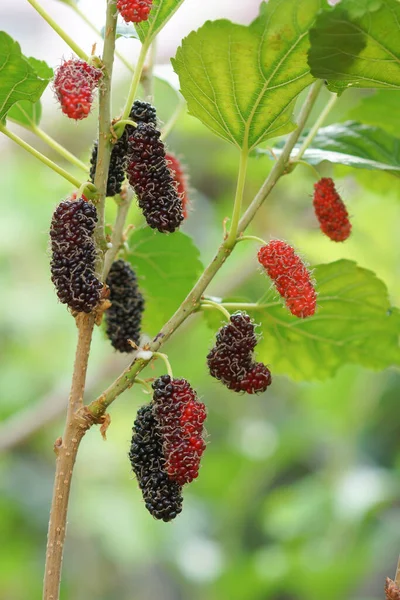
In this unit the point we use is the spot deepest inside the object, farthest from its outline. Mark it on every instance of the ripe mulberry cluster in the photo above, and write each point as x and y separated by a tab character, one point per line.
180	418
180	180
150	177
331	211
74	84
290	276
134	11
124	316
231	359
141	112
74	254
162	496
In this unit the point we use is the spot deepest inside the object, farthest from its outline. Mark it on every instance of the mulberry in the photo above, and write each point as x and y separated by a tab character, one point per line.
231	359
162	496
180	180
74	84
74	255
392	591
331	211
180	417
152	181
116	171
134	11
290	276
124	316
141	112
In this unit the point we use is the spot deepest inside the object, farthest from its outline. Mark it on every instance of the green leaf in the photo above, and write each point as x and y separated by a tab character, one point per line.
354	145
26	113
357	44
21	78
167	267
241	82
160	14
380	109
354	323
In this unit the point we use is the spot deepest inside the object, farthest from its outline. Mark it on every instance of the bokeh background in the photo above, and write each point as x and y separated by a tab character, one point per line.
298	496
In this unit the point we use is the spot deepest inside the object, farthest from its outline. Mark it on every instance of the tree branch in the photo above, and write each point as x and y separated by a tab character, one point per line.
191	303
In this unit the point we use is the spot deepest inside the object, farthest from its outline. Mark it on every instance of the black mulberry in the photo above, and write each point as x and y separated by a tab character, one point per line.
125	314
141	112
74	255
162	496
231	359
150	177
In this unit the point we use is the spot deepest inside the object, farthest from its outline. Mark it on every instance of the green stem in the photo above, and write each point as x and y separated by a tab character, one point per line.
281	164
316	174
237	207
49	163
117	234
254	238
145	384
135	80
191	302
104	145
249	305
57	147
88	22
119	126
170	124
78	51
164	357
215	305
314	129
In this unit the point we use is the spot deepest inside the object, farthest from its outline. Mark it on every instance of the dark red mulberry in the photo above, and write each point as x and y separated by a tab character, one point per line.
150	177
181	181
134	11
331	211
162	496
74	255
141	112
290	276
180	418
74	83
124	317
231	359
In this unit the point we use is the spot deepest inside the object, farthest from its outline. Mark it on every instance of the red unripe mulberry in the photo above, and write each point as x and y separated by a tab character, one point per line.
181	181
74	83
180	417
231	359
291	277
331	211
134	11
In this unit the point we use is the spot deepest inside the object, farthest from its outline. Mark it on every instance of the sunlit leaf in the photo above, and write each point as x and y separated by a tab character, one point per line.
26	113
241	81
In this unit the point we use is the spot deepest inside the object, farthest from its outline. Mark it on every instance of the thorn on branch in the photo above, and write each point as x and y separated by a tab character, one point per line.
57	445
106	422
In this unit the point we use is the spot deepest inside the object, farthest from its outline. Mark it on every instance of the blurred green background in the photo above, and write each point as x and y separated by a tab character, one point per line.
298	495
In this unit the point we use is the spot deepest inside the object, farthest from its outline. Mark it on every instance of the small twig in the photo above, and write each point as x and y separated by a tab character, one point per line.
314	129
118	232
67	39
254	238
215	305
49	163
164	357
